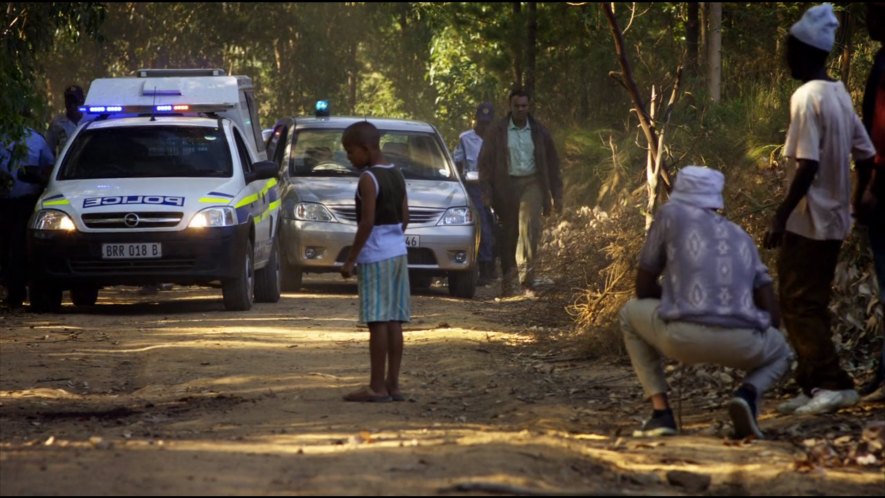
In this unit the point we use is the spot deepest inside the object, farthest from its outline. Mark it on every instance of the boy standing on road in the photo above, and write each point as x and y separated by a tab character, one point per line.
379	247
814	218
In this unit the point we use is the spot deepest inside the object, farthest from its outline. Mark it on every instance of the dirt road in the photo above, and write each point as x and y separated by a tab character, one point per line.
170	394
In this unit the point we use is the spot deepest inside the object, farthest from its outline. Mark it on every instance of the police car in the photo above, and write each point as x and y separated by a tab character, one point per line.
167	182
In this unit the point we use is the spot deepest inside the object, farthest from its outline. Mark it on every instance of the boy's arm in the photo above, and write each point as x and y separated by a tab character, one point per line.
364	229
798	188
405	211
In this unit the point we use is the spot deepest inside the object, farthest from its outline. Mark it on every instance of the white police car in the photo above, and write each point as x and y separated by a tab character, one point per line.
167	184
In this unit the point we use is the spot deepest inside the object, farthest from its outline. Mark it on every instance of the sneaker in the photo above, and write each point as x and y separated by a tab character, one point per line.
742	410
661	425
825	401
792	405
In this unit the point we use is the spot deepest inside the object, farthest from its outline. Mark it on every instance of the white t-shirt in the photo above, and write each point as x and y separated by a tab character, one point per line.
824	127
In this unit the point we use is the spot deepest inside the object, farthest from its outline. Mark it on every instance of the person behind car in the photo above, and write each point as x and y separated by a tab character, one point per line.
466	154
520	178
715	303
18	195
379	247
62	126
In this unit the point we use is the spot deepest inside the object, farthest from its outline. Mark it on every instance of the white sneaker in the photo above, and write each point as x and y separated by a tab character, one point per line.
825	401
790	406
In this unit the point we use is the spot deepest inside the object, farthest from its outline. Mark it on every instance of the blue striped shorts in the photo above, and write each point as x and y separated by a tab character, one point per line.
384	291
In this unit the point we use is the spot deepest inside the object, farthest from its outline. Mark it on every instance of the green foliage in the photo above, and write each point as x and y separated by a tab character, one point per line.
30	29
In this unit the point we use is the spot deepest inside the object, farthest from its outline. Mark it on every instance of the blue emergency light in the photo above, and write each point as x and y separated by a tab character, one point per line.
107	109
322	108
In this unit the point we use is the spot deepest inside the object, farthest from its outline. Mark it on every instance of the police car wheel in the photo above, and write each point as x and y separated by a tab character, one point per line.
44	298
268	279
84	296
238	292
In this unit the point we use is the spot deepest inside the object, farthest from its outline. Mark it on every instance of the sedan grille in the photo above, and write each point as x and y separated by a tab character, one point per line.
128	220
417	216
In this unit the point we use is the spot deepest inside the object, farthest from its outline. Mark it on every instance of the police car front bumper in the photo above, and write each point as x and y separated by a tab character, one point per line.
188	257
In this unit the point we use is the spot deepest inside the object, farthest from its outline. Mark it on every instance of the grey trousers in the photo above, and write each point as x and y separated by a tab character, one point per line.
764	355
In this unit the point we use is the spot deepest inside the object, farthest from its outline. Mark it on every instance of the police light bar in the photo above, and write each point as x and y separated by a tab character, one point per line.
322	108
152	109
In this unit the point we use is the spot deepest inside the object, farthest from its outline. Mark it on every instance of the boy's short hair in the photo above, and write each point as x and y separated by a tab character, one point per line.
362	133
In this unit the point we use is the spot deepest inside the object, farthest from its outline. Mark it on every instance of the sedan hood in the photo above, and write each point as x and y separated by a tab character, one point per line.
341	191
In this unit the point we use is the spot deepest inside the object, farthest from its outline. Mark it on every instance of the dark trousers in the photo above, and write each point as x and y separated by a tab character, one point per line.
806	269
14	215
486	225
520	210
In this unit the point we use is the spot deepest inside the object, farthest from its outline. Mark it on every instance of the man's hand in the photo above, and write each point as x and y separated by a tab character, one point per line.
865	207
775	233
347	269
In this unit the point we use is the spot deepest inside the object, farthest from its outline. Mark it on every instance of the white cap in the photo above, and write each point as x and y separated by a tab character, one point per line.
817	27
699	186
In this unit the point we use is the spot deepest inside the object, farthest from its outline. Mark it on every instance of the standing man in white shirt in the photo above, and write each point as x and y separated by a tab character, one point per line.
814	218
466	155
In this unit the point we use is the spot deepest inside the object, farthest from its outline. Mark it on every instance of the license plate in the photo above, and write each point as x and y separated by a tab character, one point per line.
413	240
140	250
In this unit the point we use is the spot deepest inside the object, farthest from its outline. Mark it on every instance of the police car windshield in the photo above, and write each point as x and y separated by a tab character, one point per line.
319	152
148	151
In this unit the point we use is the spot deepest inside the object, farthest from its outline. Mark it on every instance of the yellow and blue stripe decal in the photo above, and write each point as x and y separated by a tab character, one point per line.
216	198
244	206
56	200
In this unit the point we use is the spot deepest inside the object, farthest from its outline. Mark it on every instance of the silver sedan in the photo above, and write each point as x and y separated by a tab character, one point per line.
319	214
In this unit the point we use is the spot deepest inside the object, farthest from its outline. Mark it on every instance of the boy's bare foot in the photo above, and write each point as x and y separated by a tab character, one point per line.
395	393
367	395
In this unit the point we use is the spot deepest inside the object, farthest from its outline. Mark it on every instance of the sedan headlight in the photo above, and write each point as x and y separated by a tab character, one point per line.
457	216
51	219
311	211
222	216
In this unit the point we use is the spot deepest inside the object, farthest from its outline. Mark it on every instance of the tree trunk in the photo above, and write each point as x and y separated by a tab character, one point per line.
704	10
656	170
353	77
714	52
692	33
845	24
531	49
516	45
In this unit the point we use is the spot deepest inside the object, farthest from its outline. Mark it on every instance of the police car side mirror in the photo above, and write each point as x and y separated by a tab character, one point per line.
262	170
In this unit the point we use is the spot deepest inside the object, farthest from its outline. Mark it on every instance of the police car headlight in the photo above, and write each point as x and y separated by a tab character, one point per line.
311	211
50	219
223	216
457	216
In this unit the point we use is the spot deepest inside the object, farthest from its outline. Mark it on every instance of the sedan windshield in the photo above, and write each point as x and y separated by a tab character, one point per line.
148	151
417	155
